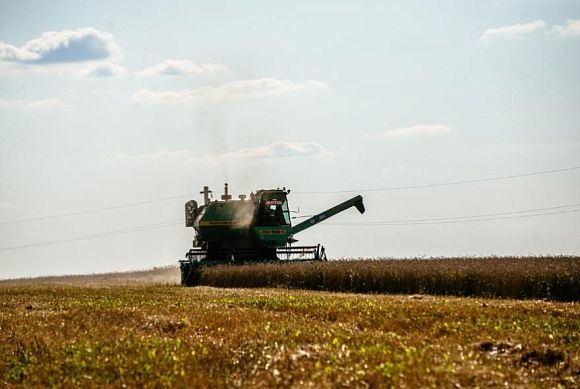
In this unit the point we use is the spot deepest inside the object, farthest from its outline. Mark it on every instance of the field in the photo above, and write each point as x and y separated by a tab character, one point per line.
128	329
554	278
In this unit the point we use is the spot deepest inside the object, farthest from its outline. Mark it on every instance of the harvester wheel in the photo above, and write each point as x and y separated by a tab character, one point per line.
190	273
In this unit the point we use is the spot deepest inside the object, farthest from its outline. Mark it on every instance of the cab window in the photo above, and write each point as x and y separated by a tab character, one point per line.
274	210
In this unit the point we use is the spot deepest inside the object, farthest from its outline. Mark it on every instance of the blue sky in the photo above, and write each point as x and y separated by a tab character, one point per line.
111	103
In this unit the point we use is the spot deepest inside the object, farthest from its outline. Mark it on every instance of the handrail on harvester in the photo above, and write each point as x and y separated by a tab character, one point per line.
356	201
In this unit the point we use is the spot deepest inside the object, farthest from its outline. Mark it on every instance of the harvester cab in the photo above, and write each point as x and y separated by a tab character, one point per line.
257	228
273	209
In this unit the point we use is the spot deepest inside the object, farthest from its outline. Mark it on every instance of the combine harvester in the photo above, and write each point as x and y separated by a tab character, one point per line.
254	229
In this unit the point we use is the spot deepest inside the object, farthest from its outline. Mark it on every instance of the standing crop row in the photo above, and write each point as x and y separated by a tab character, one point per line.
556	278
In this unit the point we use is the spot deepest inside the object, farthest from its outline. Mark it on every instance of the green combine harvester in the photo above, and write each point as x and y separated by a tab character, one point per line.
257	228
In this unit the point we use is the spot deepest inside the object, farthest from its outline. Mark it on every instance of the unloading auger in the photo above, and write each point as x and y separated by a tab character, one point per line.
257	228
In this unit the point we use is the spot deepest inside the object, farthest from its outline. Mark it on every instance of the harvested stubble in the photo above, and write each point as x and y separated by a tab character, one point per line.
555	278
168	336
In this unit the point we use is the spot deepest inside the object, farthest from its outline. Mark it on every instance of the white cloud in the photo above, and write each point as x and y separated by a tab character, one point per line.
30	104
513	30
4	204
235	90
274	150
83	44
417	130
163	154
182	67
150	96
105	70
84	51
572	28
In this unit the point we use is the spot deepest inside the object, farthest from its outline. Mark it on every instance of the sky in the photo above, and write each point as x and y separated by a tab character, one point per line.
114	114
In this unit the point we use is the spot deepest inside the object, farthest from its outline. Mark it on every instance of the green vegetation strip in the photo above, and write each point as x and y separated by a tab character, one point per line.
154	336
555	278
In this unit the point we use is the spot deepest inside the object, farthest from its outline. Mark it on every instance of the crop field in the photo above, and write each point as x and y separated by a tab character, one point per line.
556	278
152	335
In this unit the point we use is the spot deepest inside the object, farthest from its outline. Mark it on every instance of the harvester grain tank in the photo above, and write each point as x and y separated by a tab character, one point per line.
255	228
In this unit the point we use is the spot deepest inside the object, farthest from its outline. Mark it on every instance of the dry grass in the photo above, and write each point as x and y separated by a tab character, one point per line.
556	278
168	275
153	336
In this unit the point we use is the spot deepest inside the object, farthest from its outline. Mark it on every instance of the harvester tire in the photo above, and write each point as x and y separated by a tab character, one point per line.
190	273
